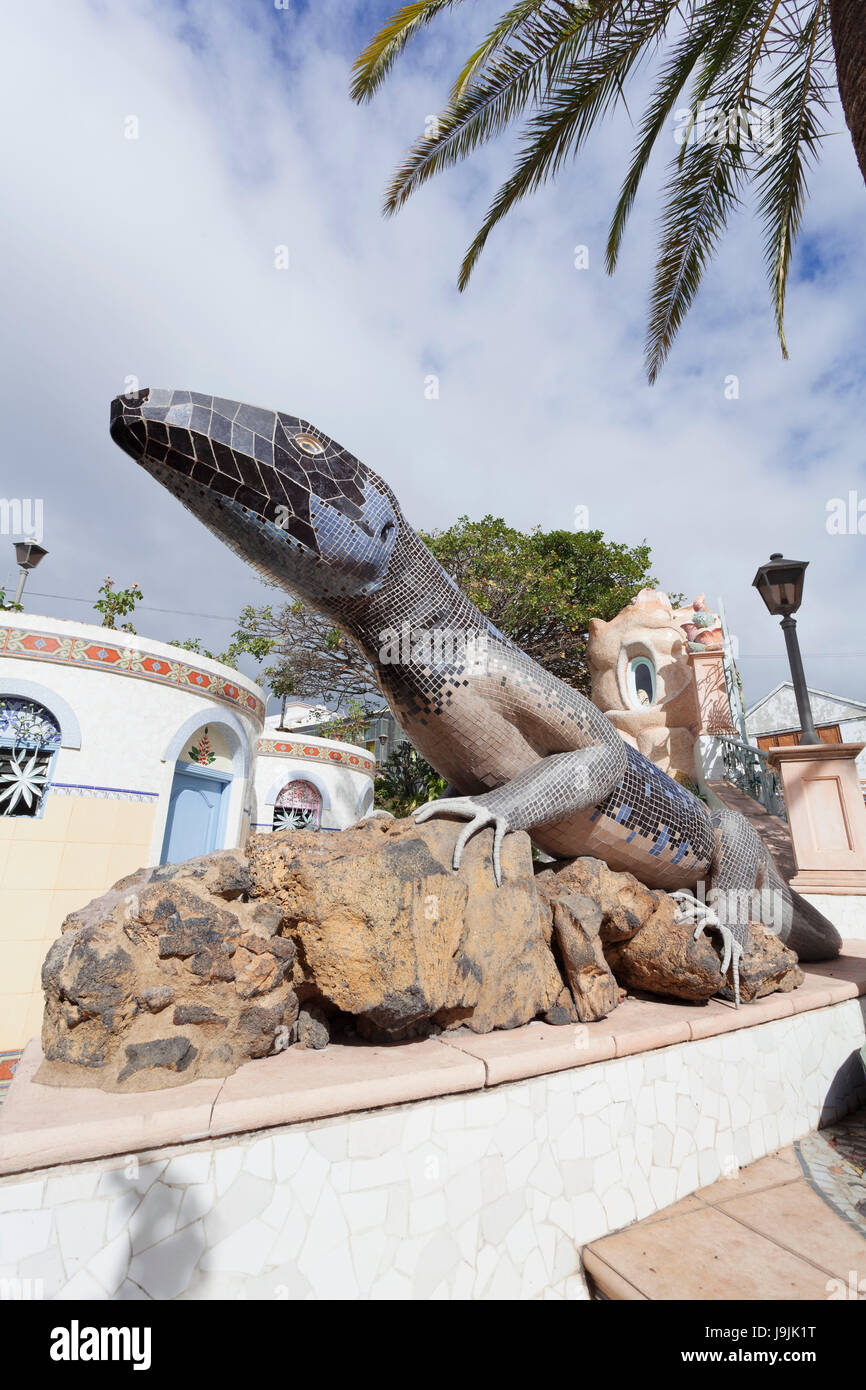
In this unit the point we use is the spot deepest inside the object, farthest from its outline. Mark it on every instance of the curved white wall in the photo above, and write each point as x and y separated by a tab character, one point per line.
341	773
128	708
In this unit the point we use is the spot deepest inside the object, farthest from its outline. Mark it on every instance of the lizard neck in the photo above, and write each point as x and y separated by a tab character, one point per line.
416	594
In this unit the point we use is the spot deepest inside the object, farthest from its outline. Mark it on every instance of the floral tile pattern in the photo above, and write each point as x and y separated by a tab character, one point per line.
126	661
834	1161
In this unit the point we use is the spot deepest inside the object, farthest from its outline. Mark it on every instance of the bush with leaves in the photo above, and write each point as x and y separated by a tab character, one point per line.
405	781
116	603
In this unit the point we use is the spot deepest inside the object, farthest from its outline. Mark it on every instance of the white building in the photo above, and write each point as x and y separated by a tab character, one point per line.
774	722
116	752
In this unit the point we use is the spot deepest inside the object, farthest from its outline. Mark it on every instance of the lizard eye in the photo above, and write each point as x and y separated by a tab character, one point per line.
386	531
309	444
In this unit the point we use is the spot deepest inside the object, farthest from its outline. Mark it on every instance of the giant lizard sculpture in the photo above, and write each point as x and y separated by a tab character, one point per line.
523	750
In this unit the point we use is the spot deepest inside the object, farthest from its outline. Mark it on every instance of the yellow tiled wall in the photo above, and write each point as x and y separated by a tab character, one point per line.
49	867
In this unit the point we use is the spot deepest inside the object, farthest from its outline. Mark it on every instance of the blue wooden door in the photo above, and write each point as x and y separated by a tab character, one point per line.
196	817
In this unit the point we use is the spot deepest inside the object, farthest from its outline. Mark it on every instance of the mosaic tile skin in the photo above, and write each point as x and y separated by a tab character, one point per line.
517	743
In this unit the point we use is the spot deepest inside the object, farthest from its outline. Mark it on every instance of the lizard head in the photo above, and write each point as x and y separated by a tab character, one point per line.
295	504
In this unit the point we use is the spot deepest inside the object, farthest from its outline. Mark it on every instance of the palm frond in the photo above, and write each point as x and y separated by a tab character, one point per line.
517	77
798	103
373	65
509	25
701	196
733	25
674	75
701	193
570	110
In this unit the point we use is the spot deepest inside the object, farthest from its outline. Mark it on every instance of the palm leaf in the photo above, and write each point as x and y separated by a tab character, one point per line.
570	111
373	65
518	76
799	100
510	24
674	76
701	194
730	27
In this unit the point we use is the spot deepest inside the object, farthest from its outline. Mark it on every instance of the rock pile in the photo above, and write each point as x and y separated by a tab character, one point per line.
189	970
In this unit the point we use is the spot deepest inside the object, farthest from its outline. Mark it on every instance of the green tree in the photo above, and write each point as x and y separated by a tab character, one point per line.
565	66
405	781
116	603
8	605
541	588
351	725
311	658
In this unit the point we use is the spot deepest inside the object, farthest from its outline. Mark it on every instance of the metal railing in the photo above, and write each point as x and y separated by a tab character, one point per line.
748	768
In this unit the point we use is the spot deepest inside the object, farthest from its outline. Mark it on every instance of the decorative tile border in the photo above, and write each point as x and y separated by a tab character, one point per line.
101	793
127	661
316	753
833	1175
8	1062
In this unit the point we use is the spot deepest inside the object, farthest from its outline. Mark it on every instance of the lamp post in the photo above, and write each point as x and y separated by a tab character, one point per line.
780	584
28	554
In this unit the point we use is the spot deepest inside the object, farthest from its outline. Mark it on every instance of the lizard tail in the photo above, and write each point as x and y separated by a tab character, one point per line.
804	929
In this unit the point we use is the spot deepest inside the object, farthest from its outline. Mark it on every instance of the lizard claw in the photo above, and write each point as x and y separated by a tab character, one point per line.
478	815
691	910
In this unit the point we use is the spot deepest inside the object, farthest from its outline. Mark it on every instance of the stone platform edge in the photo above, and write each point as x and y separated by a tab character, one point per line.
44	1126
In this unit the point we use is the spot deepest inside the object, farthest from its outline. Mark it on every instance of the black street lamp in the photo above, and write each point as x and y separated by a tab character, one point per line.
780	584
28	554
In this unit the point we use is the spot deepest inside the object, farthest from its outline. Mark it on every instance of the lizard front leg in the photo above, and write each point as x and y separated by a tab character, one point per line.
551	790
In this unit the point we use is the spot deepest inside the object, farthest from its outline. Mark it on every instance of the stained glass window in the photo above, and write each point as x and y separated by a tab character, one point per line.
298	807
29	739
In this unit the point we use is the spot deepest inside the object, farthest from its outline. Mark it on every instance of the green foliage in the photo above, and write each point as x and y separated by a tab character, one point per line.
565	66
350	726
116	603
7	605
405	781
193	644
541	588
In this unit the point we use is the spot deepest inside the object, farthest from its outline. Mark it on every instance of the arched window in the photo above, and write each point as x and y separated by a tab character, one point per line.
298	807
641	681
29	739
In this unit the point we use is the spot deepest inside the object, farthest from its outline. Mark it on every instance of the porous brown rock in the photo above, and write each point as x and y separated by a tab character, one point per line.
151	984
663	957
387	931
577	922
624	903
767	965
190	970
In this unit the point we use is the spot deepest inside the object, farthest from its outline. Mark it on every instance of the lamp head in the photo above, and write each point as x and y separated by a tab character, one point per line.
780	584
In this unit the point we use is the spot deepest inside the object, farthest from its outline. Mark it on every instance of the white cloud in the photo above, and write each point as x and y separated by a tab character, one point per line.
155	257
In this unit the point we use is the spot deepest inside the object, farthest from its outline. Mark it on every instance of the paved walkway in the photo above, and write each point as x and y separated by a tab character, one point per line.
768	1233
772	830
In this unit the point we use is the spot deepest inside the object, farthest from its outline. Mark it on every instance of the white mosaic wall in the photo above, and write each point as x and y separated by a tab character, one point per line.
487	1195
846	911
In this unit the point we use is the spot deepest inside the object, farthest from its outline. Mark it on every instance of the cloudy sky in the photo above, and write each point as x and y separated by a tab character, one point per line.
154	258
